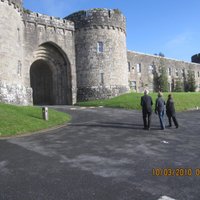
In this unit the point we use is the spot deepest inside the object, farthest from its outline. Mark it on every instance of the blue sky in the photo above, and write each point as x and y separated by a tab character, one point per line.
153	26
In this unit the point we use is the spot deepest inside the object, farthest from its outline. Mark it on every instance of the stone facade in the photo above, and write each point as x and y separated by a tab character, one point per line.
48	60
37	57
49	43
100	39
142	66
12	87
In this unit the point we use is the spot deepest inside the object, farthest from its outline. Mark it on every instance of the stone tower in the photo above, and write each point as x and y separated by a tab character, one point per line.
12	89
101	54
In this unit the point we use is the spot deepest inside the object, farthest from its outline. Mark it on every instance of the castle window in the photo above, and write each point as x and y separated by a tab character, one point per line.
18	34
133	85
198	74
151	69
169	71
176	72
100	47
139	68
19	68
183	72
129	66
102	78
109	14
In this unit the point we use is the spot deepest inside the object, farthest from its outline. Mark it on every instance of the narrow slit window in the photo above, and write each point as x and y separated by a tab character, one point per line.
129	66
100	47
169	71
109	14
19	68
139	68
176	72
102	78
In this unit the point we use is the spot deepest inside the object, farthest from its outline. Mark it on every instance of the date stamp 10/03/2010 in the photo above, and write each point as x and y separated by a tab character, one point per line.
176	172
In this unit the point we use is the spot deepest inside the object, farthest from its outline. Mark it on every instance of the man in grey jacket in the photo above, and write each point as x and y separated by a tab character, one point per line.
160	109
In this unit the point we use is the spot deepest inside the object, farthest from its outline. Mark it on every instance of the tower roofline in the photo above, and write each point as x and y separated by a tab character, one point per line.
112	18
18	4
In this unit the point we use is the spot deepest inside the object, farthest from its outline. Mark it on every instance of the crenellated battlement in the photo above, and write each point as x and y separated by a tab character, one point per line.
17	4
99	18
47	21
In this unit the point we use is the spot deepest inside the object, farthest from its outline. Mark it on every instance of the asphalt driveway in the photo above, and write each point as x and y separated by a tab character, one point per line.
104	154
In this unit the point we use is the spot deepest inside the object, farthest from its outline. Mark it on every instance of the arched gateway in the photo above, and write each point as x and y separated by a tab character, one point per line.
50	76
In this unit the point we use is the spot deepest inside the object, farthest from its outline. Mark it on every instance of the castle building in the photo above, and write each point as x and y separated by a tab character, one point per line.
141	68
48	60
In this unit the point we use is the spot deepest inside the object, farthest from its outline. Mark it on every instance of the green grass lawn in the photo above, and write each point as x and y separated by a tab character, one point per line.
16	120
183	101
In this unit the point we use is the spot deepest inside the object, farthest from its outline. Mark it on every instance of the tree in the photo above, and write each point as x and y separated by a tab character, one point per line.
190	85
163	80
160	78
160	54
156	81
178	85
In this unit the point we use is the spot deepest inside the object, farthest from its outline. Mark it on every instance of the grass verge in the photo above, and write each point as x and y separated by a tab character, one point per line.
183	101
16	120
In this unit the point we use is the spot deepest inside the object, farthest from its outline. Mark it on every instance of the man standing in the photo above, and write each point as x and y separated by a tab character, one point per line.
170	111
146	103
160	109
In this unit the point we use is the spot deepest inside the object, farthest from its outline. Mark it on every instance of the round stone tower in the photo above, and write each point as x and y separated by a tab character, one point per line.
101	54
11	53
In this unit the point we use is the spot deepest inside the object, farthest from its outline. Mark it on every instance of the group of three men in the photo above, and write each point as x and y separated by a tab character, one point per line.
146	103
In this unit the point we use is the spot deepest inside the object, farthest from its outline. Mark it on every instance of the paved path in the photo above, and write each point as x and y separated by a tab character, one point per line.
104	154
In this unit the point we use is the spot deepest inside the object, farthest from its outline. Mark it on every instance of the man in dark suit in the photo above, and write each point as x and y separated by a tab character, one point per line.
170	111
146	103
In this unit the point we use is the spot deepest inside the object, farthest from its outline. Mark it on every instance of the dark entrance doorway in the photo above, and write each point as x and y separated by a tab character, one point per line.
50	76
41	83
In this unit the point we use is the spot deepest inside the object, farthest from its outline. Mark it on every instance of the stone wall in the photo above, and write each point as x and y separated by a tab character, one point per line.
41	32
100	74
144	79
15	94
11	53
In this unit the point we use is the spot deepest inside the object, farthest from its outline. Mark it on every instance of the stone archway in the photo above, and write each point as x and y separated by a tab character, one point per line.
50	76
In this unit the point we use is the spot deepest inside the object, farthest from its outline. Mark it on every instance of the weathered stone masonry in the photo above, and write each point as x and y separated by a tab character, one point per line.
37	57
47	60
141	67
100	74
49	49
